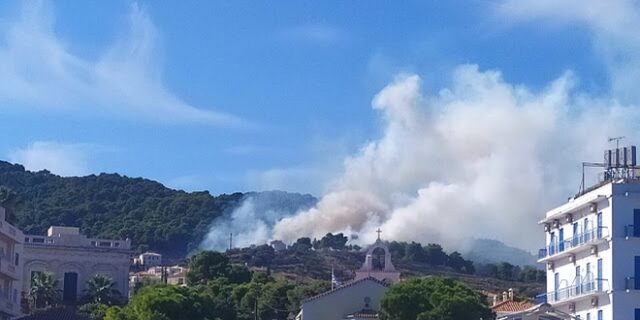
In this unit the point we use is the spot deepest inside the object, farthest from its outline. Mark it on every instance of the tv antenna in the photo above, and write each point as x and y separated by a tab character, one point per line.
617	140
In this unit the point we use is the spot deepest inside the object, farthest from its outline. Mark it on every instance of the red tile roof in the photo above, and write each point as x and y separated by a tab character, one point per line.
512	306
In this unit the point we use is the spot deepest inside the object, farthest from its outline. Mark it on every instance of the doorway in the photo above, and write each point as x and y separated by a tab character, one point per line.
70	293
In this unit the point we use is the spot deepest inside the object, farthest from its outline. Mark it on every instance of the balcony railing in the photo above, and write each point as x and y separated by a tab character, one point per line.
578	240
573	291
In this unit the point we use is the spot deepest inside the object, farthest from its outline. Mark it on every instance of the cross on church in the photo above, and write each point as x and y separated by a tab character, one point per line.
379	232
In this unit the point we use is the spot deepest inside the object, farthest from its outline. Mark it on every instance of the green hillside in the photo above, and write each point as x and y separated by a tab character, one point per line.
153	216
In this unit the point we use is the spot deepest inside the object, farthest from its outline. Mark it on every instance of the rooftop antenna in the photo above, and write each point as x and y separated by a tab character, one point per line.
617	140
230	241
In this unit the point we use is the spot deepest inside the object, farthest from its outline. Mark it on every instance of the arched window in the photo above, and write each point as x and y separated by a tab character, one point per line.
378	259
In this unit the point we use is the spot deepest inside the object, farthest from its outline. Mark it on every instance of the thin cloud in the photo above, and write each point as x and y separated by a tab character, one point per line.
37	71
60	158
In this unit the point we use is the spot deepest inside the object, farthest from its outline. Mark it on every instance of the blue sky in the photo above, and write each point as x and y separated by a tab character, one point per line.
245	95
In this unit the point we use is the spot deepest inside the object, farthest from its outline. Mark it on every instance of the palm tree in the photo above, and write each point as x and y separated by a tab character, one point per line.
44	290
101	289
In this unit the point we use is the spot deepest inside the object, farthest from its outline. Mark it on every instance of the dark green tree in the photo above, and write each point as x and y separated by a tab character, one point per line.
207	265
44	290
173	303
302	245
433	298
336	242
435	255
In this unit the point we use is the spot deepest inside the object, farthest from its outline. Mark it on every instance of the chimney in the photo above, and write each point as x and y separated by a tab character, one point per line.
495	299
510	294
504	296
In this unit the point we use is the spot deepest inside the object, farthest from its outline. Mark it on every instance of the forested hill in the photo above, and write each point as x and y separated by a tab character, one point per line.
153	216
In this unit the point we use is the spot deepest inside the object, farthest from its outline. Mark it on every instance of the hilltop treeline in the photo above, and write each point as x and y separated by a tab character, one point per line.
315	258
153	216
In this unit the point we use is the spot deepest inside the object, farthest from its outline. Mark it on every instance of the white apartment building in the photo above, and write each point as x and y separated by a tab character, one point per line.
10	268
74	259
592	253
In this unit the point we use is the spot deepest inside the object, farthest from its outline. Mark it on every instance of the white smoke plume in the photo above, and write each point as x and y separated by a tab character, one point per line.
482	158
246	225
252	221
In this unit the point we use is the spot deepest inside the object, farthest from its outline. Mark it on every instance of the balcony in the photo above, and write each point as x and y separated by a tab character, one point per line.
10	231
8	268
571	245
573	292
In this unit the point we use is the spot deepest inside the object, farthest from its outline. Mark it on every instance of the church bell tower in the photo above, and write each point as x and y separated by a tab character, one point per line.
377	263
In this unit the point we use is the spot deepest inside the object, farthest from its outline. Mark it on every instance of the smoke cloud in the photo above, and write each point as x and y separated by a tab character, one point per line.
480	159
483	158
253	220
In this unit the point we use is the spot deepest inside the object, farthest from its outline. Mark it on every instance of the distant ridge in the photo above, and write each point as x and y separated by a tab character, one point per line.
494	251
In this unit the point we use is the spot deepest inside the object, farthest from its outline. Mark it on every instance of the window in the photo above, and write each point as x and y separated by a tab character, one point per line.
585	230
599	223
17	262
556	286
600	315
561	240
588	278
588	316
578	280
599	276
576	230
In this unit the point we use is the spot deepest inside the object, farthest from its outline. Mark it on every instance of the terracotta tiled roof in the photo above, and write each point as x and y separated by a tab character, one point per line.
56	314
346	285
512	306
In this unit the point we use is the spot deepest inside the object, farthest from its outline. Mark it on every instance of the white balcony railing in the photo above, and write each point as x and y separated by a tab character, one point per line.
573	291
579	240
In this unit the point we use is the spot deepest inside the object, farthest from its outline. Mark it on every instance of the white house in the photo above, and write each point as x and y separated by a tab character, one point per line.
74	259
149	259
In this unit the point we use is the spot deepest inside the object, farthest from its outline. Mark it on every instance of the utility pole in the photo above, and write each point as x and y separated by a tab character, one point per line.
255	309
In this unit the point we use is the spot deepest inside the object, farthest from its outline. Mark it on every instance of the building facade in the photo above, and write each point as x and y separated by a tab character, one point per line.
74	259
11	262
148	259
592	253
